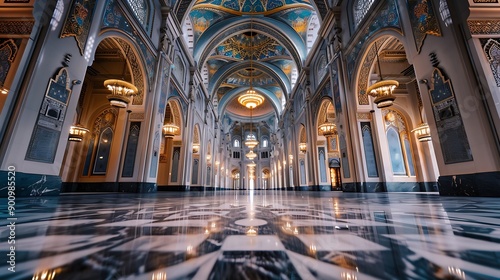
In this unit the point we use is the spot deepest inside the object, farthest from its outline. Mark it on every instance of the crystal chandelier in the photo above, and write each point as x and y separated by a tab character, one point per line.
382	90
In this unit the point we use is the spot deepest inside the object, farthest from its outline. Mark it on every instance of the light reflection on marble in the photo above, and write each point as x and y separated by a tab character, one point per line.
255	235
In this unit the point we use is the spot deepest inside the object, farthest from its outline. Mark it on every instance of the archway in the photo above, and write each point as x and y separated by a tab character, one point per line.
106	156
391	152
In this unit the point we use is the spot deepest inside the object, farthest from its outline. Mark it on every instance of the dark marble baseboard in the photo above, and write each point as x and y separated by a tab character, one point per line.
478	184
372	187
315	188
125	187
29	185
176	188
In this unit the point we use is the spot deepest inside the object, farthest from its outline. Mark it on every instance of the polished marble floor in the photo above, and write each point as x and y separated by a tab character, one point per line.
254	235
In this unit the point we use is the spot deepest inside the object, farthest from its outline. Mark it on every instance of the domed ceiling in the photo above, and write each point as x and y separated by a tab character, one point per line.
239	44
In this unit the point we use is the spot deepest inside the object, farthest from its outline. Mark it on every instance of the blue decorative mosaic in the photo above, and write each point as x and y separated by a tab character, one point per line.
387	17
114	18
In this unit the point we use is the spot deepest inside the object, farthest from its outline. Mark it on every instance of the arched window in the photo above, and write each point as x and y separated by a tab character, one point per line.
141	10
399	144
397	159
265	143
360	9
236	143
103	151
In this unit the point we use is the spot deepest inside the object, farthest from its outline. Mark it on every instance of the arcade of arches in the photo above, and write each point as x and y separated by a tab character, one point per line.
352	96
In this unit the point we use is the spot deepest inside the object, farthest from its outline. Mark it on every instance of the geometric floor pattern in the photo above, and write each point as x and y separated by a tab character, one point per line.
254	235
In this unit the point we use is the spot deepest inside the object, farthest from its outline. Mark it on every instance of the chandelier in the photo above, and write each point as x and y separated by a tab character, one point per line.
251	141
327	128
423	132
120	92
251	99
120	89
251	155
76	133
170	129
303	147
382	90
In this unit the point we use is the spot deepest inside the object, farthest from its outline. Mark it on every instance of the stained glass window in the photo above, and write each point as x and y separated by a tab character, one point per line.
360	9
140	9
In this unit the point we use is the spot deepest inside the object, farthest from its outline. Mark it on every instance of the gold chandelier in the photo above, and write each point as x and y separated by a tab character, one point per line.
120	89
251	99
423	132
382	90
327	128
120	92
170	129
251	155
303	147
76	133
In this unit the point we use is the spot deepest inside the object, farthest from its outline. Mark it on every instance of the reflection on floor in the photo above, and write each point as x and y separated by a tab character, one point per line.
254	235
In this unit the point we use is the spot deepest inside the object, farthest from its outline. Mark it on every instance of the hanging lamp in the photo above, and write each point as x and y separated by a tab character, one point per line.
327	128
120	89
383	89
251	98
170	129
422	131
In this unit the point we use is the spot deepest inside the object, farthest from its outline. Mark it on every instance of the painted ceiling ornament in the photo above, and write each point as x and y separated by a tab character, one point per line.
423	21
77	23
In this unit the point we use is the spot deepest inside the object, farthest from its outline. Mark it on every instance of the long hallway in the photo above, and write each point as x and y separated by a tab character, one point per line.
256	235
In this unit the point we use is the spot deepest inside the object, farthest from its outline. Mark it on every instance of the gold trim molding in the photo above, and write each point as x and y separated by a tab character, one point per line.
484	27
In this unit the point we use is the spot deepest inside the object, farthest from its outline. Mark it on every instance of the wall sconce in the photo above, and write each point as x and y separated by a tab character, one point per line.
303	147
196	148
76	133
209	157
290	159
423	132
3	90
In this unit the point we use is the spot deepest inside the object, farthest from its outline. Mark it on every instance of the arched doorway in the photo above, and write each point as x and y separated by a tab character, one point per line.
107	156
391	152
169	170
235	176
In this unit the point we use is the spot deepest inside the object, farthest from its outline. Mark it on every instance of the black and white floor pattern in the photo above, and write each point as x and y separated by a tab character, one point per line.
254	235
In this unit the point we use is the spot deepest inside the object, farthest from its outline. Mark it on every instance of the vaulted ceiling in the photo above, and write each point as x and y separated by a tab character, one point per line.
241	43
